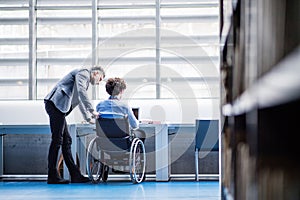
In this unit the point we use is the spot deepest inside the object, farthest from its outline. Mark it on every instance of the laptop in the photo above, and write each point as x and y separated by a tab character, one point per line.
136	112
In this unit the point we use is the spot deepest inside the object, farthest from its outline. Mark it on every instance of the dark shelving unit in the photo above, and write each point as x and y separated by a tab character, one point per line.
260	69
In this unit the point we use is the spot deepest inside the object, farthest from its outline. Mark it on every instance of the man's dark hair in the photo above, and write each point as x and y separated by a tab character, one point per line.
114	86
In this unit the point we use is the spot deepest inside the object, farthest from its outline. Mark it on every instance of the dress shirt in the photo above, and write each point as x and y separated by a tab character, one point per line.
114	105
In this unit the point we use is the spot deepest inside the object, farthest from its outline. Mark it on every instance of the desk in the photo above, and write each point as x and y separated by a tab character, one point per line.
34	129
162	153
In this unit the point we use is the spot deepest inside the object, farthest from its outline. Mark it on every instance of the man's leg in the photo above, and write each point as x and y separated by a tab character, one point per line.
56	125
76	176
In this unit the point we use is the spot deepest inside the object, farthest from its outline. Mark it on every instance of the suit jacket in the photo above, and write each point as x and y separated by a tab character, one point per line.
71	91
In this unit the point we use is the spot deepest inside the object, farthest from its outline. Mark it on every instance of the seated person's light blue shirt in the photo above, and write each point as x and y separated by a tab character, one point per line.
113	105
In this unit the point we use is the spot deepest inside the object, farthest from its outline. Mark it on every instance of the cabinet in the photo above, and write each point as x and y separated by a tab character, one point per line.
260	99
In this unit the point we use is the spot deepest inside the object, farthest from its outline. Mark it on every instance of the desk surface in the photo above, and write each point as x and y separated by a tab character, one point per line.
85	129
82	129
25	129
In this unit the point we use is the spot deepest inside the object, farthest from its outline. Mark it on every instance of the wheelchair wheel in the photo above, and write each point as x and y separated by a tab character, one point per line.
93	164
105	173
137	161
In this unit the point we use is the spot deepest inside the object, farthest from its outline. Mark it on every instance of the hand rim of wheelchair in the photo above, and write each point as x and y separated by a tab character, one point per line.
135	177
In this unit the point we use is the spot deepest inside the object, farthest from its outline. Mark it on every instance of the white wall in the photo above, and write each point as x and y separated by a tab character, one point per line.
177	110
25	112
164	110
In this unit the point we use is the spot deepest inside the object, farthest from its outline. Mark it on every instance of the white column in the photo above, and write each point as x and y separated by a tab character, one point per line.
32	65
162	153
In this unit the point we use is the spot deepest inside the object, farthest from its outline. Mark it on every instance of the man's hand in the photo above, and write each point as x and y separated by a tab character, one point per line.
92	121
84	122
95	114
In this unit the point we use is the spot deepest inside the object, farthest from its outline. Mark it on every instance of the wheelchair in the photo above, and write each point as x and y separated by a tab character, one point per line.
115	148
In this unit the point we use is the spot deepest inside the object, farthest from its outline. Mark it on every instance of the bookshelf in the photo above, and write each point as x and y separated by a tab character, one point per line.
260	100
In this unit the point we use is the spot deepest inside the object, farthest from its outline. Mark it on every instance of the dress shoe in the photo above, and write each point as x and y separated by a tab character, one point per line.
80	179
57	181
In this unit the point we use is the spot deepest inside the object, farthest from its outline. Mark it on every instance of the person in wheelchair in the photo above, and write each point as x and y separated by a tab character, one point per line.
115	87
110	149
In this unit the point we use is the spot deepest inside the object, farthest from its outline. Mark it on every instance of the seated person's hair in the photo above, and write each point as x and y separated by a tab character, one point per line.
114	86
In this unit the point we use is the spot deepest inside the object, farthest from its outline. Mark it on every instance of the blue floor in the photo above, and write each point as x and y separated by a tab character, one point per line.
112	190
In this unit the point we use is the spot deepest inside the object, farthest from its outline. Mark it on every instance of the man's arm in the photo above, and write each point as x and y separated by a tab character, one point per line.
86	115
82	80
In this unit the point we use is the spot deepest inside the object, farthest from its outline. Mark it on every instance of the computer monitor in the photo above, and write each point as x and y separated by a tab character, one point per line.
136	112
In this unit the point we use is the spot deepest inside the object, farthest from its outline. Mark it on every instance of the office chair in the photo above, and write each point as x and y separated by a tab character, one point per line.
207	139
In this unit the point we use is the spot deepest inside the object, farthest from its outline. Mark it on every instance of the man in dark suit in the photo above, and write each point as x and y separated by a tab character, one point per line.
69	92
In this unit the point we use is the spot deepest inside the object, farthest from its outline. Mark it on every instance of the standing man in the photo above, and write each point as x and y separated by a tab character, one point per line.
69	92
